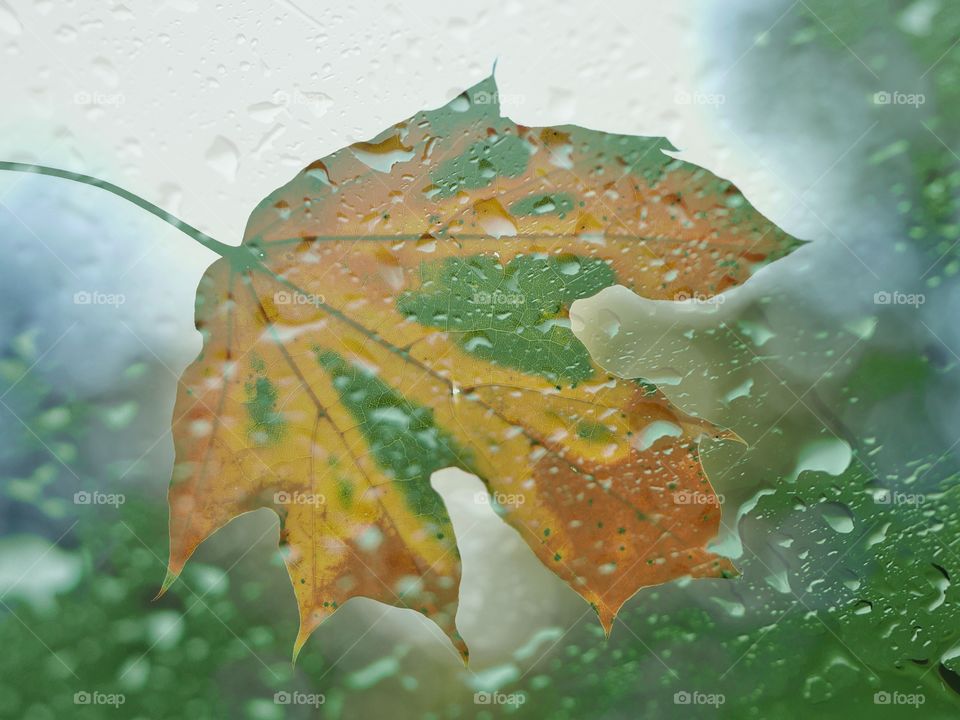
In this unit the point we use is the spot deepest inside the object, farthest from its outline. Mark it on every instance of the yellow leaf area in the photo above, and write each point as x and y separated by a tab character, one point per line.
401	307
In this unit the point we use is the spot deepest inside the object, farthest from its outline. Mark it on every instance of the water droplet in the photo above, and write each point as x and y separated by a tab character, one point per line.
829	455
224	157
741	390
609	323
494	219
265	112
838	517
383	155
654	431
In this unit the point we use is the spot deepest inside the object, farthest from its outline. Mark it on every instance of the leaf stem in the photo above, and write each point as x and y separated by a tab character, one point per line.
208	242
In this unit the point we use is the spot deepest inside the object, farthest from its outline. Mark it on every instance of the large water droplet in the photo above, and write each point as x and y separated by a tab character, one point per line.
223	157
838	517
829	455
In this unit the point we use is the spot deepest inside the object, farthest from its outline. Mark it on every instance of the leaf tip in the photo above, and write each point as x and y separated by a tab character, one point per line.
462	649
310	620
168	580
728	570
606	617
733	436
297	647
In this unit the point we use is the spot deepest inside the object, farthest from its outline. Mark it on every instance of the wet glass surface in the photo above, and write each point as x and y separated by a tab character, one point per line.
835	361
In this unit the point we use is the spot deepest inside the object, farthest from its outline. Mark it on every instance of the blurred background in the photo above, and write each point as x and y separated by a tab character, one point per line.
838	365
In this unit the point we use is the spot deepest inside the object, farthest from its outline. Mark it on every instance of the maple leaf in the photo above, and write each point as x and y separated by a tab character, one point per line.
401	307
